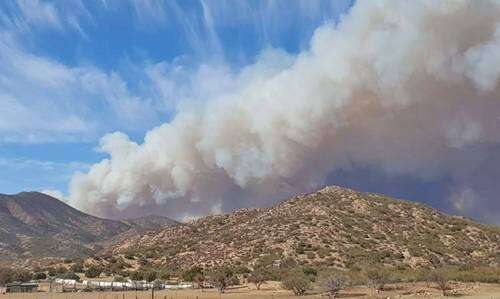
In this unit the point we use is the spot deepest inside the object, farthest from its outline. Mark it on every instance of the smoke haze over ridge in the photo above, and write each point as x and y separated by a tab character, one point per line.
407	88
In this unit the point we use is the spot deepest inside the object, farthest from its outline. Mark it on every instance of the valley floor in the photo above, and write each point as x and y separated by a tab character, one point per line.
272	290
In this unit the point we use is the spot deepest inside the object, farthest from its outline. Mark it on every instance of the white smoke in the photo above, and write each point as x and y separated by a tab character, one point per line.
408	87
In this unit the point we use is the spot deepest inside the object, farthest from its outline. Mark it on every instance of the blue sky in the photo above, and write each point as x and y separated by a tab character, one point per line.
75	70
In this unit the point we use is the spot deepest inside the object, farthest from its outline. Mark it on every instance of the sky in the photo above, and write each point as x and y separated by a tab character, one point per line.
73	71
186	108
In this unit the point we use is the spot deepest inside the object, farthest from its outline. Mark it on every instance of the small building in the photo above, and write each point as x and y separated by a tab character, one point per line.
21	288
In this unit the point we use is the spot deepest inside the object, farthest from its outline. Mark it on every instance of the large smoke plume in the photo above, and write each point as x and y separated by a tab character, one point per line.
406	87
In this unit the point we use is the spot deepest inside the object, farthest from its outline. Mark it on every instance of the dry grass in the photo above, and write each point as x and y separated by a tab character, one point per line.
272	290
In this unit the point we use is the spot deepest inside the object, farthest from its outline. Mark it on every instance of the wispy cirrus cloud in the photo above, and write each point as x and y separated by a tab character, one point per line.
34	15
81	100
43	100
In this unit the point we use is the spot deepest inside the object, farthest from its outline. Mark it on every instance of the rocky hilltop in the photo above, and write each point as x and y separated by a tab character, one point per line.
331	227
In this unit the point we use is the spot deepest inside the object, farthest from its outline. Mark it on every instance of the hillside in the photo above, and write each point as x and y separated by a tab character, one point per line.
332	227
151	222
33	224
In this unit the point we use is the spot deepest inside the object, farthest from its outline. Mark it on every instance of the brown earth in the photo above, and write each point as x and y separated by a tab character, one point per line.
273	290
332	227
35	225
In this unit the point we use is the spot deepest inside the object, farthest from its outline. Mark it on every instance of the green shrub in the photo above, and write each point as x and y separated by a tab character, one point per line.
137	275
6	276
150	276
69	275
77	268
40	276
191	273
93	272
22	276
129	256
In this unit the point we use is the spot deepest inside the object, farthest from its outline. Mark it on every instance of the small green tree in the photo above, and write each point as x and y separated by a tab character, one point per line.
191	273
296	281
137	275
77	268
69	275
6	276
22	276
150	276
221	278
40	276
119	279
52	272
61	270
93	272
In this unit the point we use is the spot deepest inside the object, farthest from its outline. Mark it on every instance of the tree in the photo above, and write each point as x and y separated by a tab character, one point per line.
441	279
296	281
311	272
221	278
93	272
61	270
198	279
40	276
119	279
22	276
77	268
52	272
332	283
378	278
258	277
137	275
6	276
190	274
157	284
69	275
150	276
165	275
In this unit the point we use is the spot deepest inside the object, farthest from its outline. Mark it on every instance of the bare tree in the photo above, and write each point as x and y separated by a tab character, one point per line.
198	280
378	278
441	280
332	283
221	278
258	277
296	281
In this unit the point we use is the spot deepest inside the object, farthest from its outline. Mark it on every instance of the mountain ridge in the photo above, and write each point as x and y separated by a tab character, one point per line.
334	226
35	225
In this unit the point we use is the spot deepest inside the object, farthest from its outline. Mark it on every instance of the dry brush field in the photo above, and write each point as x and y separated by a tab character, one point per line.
272	290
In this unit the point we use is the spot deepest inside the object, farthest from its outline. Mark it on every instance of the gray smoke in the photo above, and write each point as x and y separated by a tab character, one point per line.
407	87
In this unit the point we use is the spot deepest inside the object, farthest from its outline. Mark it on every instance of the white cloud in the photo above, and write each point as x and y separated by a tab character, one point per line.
39	13
390	88
27	16
42	100
54	193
